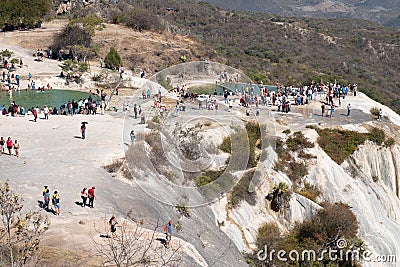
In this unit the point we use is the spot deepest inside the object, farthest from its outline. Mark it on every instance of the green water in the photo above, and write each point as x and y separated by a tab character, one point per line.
33	98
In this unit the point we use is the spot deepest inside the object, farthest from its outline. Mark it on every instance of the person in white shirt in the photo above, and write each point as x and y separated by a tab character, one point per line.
46	112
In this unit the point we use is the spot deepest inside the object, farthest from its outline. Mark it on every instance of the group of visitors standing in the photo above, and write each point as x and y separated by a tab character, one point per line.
10	145
55	199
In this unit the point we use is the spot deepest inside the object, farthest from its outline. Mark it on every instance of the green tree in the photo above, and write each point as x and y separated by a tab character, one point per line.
113	60
13	12
19	231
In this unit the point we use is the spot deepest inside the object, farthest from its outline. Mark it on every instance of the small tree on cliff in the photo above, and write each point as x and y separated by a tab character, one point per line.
19	231
112	60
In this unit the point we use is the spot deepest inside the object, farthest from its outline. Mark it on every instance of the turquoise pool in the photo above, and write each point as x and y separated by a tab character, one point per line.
33	98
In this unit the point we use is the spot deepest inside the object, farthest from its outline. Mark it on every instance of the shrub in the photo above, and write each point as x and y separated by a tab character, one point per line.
75	38
377	136
390	142
6	53
143	20
115	165
183	210
74	67
241	192
226	145
321	231
287	131
298	141
203	180
310	191
112	60
374	111
296	170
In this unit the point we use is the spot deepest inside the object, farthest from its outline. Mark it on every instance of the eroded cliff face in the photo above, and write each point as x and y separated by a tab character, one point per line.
367	181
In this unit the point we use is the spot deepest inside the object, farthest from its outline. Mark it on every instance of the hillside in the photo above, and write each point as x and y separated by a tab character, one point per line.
291	50
382	11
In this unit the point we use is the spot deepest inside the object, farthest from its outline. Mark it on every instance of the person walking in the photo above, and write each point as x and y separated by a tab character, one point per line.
113	226
168	233
348	109
380	115
9	144
84	196
83	130
322	110
91	196
132	134
56	202
35	114
101	62
16	148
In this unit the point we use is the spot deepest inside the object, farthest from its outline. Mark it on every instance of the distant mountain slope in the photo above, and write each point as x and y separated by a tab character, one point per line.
382	11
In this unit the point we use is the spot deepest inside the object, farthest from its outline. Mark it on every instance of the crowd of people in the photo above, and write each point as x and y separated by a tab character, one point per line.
10	145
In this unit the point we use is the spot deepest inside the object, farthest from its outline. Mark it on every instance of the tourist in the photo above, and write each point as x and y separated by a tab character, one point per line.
46	198
16	148
132	135
380	115
9	144
56	202
322	110
135	111
91	196
83	130
84	196
2	143
35	114
113	226
101	62
142	118
46	112
348	109
168	233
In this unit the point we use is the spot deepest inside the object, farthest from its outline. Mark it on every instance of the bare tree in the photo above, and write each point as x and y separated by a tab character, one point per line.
135	245
19	231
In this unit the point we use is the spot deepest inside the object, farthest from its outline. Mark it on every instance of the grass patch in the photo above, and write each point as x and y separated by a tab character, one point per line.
298	141
310	191
208	177
226	145
340	144
287	163
241	192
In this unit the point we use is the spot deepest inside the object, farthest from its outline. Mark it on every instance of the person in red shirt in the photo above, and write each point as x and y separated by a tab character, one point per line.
9	144
91	196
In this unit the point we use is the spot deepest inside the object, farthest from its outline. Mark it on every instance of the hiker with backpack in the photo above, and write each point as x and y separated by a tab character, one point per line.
56	202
